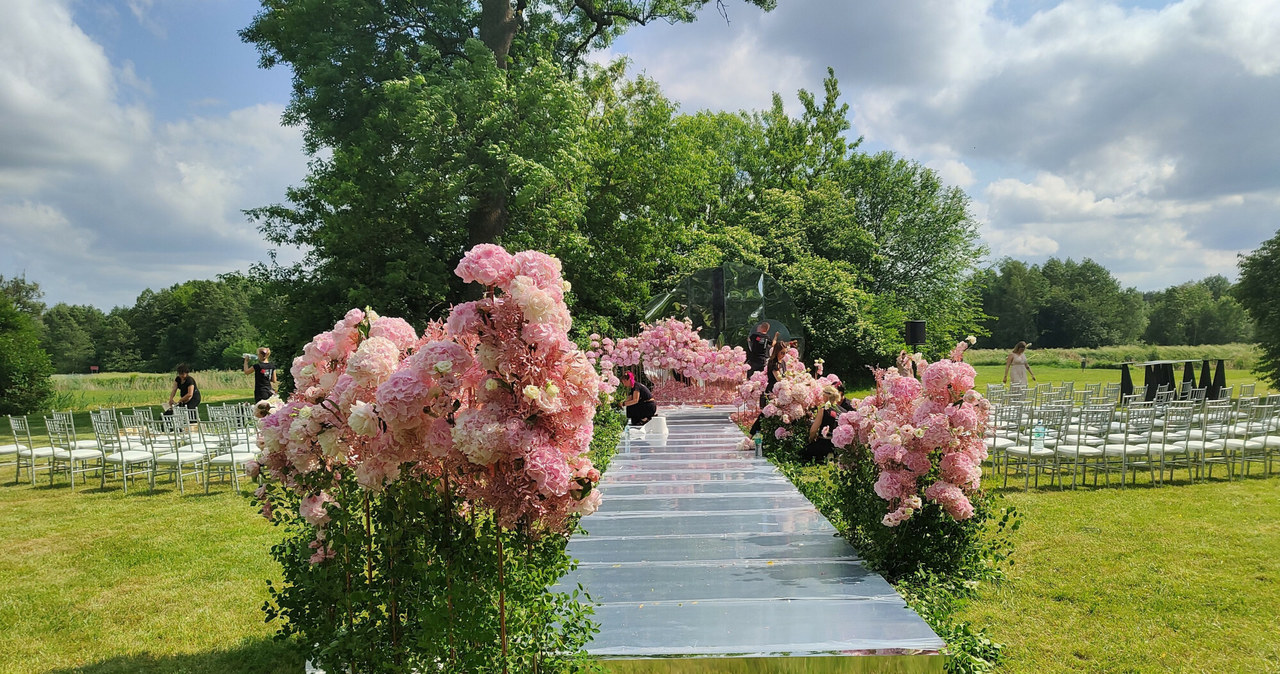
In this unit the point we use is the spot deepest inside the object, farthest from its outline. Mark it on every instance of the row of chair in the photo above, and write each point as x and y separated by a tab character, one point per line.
135	443
1186	434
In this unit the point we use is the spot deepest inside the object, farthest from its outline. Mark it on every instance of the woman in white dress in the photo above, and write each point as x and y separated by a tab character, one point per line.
1016	364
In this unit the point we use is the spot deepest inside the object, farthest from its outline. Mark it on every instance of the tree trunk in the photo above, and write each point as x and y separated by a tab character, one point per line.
488	219
499	22
498	25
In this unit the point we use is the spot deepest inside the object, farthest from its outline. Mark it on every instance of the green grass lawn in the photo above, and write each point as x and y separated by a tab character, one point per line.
993	374
1180	578
100	582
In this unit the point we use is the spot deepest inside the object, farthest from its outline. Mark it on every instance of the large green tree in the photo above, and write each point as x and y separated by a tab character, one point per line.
25	385
435	125
1203	312
69	337
1259	293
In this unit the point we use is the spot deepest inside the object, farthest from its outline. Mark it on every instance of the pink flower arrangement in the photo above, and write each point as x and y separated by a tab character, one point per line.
497	397
911	425
684	367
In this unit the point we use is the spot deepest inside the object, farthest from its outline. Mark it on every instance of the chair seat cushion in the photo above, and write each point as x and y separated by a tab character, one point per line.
236	459
180	457
130	456
1080	451
999	443
85	444
1030	452
80	454
10	449
1198	446
1201	434
1091	440
1120	438
1121	449
36	452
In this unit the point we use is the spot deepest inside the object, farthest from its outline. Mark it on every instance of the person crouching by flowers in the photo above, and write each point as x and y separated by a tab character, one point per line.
825	421
774	369
639	402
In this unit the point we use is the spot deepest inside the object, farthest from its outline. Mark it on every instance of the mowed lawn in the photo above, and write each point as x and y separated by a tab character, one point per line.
101	582
1179	578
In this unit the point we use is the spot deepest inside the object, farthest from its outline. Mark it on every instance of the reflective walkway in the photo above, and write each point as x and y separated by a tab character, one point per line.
703	551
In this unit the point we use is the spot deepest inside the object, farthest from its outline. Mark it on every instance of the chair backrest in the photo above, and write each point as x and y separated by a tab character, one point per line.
1198	394
58	435
1095	421
1094	388
1217	417
1224	393
1053	417
1140	392
1142	418
107	433
166	434
1111	391
1178	416
1244	405
21	431
215	435
1163	395
142	414
1247	389
1258	422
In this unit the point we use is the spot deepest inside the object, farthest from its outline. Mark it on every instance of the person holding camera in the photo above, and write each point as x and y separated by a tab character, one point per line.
264	374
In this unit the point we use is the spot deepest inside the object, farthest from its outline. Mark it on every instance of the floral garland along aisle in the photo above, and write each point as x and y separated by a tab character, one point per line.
685	368
413	459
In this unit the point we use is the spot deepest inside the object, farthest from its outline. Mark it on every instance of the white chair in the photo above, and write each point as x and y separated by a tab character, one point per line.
1251	441
1171	437
71	455
1053	420
172	449
1205	440
120	454
10	451
28	451
230	455
1084	442
1123	449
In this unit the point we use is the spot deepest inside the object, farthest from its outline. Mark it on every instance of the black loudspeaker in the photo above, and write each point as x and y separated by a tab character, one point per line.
915	333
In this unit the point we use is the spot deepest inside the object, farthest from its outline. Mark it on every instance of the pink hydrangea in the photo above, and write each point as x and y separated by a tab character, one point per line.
373	362
487	264
313	508
951	498
397	330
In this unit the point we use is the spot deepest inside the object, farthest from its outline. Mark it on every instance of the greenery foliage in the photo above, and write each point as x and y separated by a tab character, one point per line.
1080	305
1259	294
24	367
418	585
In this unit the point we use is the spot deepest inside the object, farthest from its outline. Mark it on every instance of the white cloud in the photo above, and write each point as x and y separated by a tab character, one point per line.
100	200
1077	128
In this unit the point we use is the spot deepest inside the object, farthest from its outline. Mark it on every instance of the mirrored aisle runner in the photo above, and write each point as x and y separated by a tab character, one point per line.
703	551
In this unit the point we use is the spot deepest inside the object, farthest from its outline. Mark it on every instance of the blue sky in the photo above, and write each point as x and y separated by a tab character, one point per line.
1141	134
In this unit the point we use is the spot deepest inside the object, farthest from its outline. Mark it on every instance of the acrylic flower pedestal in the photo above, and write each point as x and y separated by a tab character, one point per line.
700	550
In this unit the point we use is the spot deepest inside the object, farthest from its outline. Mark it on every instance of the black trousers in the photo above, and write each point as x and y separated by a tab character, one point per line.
639	414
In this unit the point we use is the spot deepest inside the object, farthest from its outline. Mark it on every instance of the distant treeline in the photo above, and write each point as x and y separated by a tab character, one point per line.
205	324
1069	304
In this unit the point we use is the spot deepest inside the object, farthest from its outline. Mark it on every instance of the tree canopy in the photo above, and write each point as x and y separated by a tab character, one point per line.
1259	294
24	366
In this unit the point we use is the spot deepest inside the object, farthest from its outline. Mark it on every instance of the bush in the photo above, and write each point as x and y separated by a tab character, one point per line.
24	367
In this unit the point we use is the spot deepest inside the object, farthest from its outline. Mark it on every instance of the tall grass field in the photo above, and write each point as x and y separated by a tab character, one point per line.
1237	356
83	392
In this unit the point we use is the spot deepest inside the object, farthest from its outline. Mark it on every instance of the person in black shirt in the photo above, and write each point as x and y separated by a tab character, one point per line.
184	387
773	371
758	348
824	423
264	375
640	405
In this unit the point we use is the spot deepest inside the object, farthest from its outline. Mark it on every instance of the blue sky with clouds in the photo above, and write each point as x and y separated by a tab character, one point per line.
1141	134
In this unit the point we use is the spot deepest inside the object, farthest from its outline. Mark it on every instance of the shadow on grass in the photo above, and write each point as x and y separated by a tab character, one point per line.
252	656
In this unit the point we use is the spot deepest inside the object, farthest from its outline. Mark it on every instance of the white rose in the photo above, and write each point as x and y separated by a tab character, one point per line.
363	419
532	392
491	384
444	366
552	390
331	445
309	370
